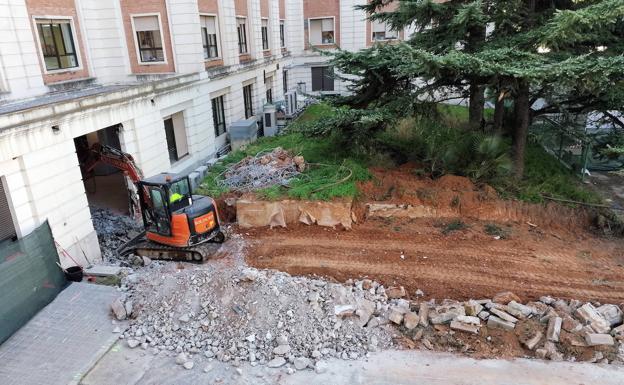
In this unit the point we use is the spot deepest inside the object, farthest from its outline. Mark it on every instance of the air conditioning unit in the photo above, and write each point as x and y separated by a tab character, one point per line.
291	104
269	120
243	132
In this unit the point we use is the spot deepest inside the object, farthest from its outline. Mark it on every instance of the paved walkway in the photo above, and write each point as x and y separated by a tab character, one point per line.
63	340
122	366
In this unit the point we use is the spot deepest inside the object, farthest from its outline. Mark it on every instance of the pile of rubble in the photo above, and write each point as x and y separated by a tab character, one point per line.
266	169
113	231
554	329
245	315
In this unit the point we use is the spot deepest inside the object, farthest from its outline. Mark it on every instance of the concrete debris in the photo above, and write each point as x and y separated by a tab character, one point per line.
396	292
495	322
302	363
503	315
396	316
423	313
119	309
532	342
554	329
113	231
611	313
466	327
524	310
469	319
240	314
276	362
411	320
320	367
595	339
472	307
589	315
274	168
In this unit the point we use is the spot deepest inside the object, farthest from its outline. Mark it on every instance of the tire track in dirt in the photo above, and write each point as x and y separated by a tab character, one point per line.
459	266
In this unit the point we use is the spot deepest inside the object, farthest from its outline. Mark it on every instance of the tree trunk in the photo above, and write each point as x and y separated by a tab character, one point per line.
499	110
520	128
475	108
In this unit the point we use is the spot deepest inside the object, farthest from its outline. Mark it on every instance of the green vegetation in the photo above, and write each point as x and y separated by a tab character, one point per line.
545	176
495	231
333	170
455	225
444	149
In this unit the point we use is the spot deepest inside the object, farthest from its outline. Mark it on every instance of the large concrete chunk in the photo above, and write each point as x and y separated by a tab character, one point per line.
611	313
532	342
469	328
595	339
495	322
472	307
522	309
423	313
503	315
590	316
411	320
554	329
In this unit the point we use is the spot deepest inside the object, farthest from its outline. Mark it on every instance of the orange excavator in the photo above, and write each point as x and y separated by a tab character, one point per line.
178	224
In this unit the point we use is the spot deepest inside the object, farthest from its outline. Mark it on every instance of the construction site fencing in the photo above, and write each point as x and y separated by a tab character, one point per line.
575	145
30	278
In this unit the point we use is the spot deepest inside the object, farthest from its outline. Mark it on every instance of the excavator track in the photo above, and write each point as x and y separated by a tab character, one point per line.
143	247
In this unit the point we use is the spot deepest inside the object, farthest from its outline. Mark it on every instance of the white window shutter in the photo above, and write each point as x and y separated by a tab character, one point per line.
328	25
378	26
210	24
146	23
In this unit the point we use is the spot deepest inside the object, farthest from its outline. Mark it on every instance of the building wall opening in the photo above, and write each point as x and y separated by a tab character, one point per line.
106	185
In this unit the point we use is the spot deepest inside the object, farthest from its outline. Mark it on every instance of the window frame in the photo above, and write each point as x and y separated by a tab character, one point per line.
282	33
324	75
74	37
264	32
310	30
248	106
136	42
215	121
372	37
217	36
245	35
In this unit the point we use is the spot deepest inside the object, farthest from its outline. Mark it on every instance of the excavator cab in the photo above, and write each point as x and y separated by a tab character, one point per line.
173	216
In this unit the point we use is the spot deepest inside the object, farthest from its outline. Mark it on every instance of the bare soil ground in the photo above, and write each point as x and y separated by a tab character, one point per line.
461	265
560	257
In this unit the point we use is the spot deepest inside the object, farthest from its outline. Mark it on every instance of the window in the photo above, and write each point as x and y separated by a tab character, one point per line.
248	99
285	80
149	40
322	79
175	134
218	116
57	44
242	35
209	36
269	95
382	31
322	31
265	34
282	34
269	89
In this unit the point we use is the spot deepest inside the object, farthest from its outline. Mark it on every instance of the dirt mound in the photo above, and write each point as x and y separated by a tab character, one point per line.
455	183
455	196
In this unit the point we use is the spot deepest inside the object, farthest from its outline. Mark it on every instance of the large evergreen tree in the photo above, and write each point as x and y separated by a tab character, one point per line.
568	54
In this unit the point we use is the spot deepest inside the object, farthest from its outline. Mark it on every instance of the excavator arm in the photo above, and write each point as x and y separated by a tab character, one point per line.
103	154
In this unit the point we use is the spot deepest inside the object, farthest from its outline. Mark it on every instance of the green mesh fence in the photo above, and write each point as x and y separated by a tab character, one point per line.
29	278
